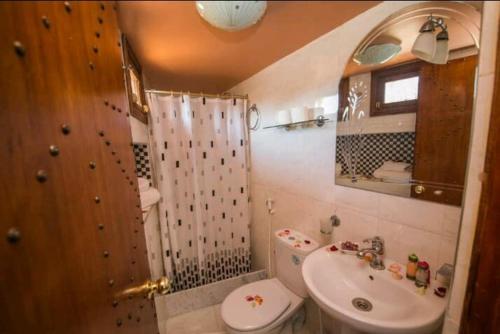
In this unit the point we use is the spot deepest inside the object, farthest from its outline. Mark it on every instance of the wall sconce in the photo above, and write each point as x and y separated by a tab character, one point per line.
429	47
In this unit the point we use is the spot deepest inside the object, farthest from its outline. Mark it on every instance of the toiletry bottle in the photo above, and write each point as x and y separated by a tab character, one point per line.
422	277
411	267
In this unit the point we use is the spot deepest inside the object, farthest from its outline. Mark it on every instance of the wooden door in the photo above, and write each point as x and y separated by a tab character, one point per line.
482	301
443	126
69	203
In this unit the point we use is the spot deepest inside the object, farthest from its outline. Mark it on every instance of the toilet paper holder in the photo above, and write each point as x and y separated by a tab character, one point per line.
327	225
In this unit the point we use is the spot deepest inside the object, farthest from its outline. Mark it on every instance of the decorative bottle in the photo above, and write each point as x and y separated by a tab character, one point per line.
422	278
411	267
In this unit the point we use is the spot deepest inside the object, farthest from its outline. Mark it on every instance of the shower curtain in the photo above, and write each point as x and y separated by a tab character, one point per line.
200	153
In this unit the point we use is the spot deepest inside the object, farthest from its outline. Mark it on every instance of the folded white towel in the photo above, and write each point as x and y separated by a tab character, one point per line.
149	197
395	166
143	184
392	176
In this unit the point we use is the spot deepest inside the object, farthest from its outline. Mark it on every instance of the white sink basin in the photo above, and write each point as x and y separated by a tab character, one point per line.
334	279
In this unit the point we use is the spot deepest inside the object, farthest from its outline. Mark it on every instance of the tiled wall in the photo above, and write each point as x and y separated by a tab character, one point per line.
297	168
151	220
378	148
142	161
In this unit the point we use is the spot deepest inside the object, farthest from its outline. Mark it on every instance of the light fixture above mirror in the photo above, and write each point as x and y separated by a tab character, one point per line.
231	15
430	47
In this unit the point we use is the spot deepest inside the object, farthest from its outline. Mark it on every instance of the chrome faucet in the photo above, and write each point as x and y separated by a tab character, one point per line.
375	250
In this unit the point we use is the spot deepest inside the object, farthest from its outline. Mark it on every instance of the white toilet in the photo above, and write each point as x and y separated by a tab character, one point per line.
272	306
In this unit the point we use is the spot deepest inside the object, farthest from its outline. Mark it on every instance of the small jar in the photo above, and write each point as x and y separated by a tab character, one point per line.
411	267
423	275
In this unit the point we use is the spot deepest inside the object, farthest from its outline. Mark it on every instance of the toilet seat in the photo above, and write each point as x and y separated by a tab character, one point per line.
254	306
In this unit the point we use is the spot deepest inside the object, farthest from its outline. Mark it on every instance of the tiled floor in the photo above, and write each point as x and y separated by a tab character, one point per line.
203	321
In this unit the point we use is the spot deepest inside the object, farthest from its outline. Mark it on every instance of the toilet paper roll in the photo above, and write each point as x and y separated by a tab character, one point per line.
284	117
300	114
326	226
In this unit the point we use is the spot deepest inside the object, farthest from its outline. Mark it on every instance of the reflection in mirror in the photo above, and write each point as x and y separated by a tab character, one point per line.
406	101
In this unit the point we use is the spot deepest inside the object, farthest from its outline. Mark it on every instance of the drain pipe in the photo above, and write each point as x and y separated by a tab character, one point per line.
270	211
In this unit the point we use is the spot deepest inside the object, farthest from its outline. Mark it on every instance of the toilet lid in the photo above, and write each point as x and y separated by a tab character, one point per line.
254	305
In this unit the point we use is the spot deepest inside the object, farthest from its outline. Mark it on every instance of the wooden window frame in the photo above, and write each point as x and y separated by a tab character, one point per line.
378	81
130	61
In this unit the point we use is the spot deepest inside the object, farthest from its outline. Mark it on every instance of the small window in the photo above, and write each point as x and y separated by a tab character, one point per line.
135	87
394	90
401	90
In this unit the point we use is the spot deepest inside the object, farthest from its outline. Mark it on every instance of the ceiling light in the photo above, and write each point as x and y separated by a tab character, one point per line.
431	48
231	15
377	54
441	54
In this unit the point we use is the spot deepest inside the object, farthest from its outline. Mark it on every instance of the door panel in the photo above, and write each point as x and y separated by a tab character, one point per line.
443	129
481	312
70	212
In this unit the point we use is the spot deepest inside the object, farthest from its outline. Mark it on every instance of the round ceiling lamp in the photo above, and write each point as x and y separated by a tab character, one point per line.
377	54
231	15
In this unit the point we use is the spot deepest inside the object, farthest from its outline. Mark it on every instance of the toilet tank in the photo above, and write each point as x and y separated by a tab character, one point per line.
291	248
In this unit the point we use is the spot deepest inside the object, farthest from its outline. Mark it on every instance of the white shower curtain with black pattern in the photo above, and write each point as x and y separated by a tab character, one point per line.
200	152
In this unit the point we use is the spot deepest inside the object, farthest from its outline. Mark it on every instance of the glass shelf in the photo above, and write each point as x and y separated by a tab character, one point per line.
319	122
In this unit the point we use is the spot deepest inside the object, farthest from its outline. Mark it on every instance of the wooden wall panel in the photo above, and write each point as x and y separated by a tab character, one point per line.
482	301
443	126
80	237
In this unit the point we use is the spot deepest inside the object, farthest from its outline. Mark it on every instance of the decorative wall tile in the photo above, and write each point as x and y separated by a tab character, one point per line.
378	148
142	161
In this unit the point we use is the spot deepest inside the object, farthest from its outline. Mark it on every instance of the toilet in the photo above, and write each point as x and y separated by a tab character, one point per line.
272	306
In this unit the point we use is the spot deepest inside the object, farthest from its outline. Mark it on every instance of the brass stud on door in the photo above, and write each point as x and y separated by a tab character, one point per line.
111	282
65	128
100	20
54	150
97	199
97	34
95	49
108	142
105	254
19	48
67	6
41	176
101	133
114	303
92	165
13	235
100	226
46	22
119	322
92	66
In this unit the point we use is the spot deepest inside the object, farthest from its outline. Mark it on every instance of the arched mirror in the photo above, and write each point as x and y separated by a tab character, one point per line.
406	101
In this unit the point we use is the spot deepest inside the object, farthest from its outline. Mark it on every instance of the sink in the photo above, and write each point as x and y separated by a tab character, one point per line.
370	300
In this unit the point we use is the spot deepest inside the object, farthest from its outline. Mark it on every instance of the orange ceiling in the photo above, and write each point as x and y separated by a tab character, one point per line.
178	50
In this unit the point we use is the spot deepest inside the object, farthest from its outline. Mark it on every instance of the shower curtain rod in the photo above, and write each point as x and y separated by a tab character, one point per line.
223	96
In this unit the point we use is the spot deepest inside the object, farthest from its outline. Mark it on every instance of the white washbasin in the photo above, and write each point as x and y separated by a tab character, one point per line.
334	279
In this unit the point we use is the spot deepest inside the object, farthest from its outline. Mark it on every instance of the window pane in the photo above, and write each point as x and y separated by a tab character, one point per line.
401	90
135	86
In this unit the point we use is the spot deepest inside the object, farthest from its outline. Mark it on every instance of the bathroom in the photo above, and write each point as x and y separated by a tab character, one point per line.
295	167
